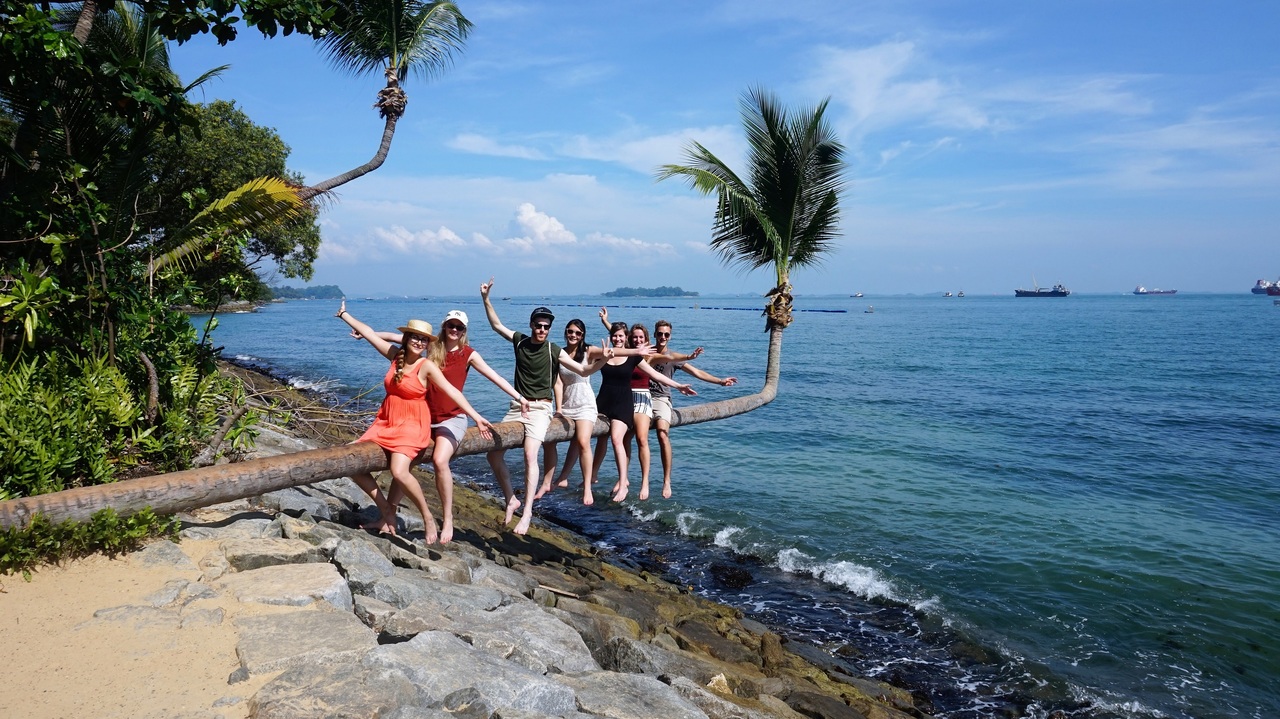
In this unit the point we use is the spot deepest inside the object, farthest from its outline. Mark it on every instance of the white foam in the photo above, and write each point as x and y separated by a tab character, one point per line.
861	580
685	522
723	536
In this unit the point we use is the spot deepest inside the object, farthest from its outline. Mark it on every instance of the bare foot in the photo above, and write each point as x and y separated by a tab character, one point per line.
666	489
563	483
446	532
542	490
587	498
644	491
523	526
429	528
621	494
512	505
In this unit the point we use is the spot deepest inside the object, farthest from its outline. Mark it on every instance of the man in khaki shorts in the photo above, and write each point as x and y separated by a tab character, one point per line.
662	395
537	365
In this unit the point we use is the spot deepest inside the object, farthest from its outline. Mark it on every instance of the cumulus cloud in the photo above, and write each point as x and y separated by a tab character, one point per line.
481	145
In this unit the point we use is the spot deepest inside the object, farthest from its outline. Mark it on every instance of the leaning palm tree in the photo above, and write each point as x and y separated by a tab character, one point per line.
395	37
784	212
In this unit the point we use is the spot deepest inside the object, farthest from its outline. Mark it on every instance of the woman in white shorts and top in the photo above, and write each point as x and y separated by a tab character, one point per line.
455	357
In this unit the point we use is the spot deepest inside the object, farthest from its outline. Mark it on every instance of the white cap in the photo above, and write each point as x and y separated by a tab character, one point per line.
458	315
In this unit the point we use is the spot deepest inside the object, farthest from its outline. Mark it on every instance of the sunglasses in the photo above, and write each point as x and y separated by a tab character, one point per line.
542	325
455	328
661	334
573	333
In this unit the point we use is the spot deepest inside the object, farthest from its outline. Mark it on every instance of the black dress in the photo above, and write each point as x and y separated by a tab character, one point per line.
614	398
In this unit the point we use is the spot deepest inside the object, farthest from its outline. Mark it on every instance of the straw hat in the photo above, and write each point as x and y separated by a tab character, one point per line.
419	327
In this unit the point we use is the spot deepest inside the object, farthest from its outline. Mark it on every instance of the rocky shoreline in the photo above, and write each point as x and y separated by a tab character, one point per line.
490	625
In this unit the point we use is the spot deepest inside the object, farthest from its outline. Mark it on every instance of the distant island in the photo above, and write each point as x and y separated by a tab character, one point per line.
650	292
319	292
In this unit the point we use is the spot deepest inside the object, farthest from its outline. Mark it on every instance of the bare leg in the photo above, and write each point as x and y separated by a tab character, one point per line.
582	446
664	452
602	444
642	447
531	484
618	435
572	454
387	511
499	466
548	468
440	457
400	472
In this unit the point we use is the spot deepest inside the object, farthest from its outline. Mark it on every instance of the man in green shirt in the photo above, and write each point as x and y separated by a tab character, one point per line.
537	365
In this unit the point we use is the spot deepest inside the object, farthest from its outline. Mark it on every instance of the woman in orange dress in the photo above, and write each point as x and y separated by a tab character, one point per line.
403	424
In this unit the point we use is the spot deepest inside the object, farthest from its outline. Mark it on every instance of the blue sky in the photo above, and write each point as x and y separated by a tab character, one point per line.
1098	144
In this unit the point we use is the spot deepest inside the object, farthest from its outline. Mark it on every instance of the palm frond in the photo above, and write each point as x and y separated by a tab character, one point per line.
406	35
255	205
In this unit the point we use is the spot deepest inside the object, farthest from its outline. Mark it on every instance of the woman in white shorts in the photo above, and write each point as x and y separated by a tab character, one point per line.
448	422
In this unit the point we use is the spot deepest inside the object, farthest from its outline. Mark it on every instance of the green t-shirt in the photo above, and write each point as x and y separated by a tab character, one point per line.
536	367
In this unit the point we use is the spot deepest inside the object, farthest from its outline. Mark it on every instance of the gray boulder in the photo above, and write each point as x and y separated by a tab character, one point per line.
362	565
289	584
442	664
407	586
281	641
321	690
628	696
246	554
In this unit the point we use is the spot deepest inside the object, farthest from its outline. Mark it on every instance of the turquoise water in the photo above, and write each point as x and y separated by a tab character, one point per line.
1085	487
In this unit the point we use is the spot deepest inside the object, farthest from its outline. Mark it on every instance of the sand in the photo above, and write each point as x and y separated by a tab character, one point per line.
65	663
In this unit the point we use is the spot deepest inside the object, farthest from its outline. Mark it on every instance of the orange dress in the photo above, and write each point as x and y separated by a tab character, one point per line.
403	424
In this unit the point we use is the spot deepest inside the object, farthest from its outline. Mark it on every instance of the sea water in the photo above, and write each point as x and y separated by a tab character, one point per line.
1053	504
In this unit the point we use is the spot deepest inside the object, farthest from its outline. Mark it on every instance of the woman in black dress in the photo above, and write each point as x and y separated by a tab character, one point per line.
614	402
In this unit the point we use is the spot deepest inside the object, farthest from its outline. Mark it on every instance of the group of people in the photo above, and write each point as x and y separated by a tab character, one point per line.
425	404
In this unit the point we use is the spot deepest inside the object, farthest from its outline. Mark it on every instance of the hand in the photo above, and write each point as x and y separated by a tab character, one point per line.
686	390
341	308
646	349
524	408
604	315
485	427
484	288
728	381
606	349
355	335
695	353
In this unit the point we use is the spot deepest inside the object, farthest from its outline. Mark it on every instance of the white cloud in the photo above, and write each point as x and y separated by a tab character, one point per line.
646	153
481	145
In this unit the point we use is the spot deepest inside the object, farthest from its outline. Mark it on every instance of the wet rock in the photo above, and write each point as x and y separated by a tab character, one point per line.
821	706
700	637
731	576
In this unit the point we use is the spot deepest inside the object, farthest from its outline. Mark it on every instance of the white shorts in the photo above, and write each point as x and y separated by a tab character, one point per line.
538	421
641	402
662	409
450	430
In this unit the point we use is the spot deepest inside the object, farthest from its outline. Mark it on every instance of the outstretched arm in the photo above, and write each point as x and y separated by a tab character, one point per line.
673	356
660	378
580	368
483	368
492	314
383	346
431	372
395	338
708	377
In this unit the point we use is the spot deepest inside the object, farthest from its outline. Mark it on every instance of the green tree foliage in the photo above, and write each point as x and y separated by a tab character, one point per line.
317	292
221	151
99	236
785	210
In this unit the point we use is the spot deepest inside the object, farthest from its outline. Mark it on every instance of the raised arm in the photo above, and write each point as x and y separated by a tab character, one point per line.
492	314
395	338
604	317
660	378
483	368
431	372
708	377
386	348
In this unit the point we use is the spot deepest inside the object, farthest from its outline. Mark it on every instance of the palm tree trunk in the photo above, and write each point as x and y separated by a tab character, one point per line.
84	22
388	131
194	488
